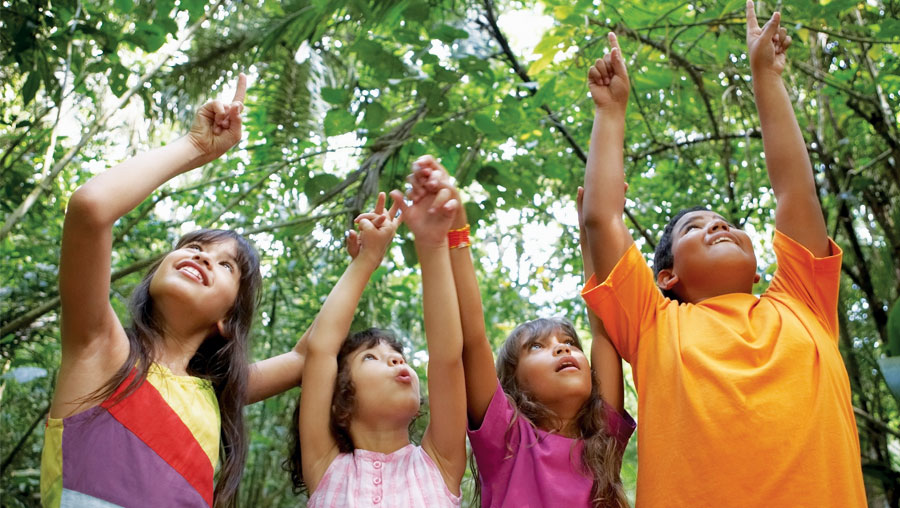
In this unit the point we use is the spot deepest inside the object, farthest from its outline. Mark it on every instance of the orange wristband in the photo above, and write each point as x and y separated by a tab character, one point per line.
459	238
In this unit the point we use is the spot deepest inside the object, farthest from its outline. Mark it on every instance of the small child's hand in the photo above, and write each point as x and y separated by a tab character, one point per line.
430	217
217	126
429	176
608	78
767	46
376	229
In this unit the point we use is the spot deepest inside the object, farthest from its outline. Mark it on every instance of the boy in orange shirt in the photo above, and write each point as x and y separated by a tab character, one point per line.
743	401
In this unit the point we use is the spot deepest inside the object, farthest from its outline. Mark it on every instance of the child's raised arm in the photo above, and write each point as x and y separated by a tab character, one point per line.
92	336
605	360
604	176
445	438
797	210
478	357
328	332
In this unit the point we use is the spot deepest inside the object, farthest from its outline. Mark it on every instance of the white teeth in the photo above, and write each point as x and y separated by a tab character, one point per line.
193	271
723	239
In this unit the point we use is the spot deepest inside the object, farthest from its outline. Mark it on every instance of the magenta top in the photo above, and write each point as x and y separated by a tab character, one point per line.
524	466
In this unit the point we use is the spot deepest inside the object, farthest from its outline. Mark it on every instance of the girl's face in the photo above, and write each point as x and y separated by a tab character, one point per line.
553	370
385	386
201	278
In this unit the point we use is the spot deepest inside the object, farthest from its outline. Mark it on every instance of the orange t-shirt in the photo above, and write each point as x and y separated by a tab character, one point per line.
742	401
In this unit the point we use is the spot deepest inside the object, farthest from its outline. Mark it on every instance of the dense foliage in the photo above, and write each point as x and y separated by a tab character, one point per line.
346	93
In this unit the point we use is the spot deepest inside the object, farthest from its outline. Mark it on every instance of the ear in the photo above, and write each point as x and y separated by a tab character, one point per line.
223	330
666	279
756	278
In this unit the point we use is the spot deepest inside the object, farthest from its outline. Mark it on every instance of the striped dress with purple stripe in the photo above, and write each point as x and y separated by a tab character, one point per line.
157	447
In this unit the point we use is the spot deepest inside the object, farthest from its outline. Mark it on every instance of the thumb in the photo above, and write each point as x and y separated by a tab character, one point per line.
771	27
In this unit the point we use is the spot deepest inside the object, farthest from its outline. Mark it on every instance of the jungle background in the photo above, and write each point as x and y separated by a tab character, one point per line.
345	94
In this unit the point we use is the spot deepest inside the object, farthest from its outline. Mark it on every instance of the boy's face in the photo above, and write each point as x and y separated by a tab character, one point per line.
710	257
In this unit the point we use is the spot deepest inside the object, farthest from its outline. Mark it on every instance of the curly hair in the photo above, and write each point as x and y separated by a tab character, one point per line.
343	401
601	456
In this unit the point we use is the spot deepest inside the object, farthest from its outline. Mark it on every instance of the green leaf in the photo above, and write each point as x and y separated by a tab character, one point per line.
118	79
447	34
316	186
336	95
338	121
893	330
32	84
124	6
890	369
375	116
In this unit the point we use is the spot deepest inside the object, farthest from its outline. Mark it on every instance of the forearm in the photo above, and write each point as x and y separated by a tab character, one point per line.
275	375
110	195
787	160
443	330
604	192
331	326
468	295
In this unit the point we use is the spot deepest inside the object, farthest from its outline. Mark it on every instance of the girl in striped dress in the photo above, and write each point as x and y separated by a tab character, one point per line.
360	396
140	415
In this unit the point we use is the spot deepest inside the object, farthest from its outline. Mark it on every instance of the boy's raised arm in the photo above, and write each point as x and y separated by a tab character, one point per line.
797	210
604	176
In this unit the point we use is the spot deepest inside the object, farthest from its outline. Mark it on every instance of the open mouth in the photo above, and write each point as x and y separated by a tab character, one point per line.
566	363
721	238
193	271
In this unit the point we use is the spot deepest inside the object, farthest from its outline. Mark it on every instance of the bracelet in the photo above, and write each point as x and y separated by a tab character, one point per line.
459	238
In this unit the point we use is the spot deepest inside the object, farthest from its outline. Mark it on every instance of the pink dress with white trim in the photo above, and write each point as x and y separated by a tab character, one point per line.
405	478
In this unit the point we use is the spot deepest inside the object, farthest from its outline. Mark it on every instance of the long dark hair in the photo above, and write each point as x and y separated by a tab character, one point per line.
343	401
601	455
221	359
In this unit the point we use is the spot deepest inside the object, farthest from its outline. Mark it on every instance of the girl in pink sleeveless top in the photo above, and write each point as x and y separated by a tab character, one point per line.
360	396
546	427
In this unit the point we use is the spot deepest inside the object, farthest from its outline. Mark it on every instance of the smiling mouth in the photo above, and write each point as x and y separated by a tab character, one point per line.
722	239
193	272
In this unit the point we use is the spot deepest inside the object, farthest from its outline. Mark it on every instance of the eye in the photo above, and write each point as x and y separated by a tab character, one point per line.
690	227
194	246
534	346
369	356
227	266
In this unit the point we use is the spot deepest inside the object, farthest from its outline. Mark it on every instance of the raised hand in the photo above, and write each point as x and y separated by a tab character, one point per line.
217	126
376	229
429	176
767	46
430	217
608	78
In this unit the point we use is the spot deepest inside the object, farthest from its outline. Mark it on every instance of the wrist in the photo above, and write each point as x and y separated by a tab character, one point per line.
193	156
428	246
610	111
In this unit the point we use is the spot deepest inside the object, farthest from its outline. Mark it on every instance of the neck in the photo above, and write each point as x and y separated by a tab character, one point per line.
386	437
178	346
563	421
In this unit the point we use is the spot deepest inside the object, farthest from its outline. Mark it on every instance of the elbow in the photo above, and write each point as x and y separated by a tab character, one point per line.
88	206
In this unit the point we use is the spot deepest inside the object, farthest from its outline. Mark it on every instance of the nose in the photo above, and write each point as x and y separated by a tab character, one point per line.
717	224
562	349
397	360
202	258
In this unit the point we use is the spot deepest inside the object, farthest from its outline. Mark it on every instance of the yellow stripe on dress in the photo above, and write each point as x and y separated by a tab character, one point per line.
198	409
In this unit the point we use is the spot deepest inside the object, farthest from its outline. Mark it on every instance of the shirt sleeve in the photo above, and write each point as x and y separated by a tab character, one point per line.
619	425
627	301
490	442
814	281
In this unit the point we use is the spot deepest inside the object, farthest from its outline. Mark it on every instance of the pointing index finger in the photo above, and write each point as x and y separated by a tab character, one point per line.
752	23
241	91
613	41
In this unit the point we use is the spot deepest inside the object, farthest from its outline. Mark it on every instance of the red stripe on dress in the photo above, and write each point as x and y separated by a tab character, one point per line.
150	418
